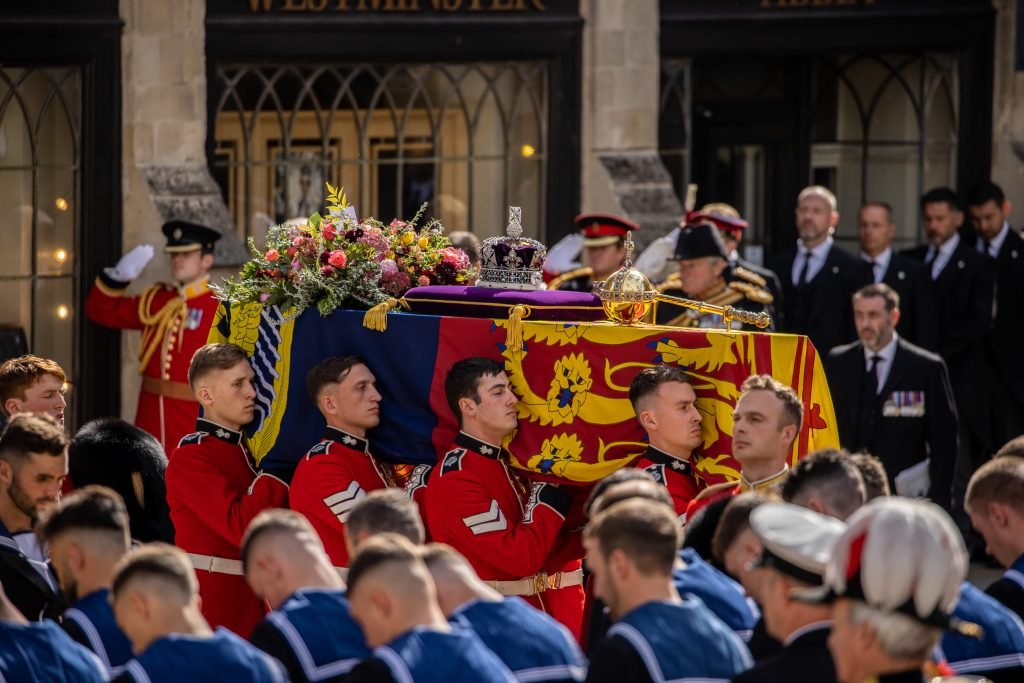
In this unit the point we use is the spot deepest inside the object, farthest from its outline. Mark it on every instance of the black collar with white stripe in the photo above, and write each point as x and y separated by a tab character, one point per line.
662	458
488	450
219	431
346	439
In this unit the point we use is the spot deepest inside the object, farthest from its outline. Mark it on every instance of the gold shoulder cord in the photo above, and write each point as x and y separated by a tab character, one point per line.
156	325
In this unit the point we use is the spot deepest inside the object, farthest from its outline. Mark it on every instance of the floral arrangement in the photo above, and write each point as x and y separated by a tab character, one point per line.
338	262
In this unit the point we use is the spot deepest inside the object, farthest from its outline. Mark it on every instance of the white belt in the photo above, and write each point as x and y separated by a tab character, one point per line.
216	565
342	572
534	585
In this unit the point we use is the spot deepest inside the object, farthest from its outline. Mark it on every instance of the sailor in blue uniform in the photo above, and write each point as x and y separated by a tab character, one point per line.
999	653
156	603
310	630
533	645
658	635
394	600
88	533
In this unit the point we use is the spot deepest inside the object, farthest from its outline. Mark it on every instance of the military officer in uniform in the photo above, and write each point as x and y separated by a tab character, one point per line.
604	250
705	275
175	321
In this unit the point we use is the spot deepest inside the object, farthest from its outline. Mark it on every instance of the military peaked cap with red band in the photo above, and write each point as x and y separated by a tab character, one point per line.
602	229
727	224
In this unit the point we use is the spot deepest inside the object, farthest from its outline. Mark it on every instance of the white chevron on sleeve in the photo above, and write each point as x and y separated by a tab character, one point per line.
484	522
342	502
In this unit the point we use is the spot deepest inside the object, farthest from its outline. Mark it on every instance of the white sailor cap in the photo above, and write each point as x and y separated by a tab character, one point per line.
797	542
899	556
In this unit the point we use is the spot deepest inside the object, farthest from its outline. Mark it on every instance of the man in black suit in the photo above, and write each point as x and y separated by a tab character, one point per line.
962	282
895	401
989	210
875	232
33	465
819	278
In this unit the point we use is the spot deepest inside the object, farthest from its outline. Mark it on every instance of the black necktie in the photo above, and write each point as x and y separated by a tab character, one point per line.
872	378
873	263
801	277
932	253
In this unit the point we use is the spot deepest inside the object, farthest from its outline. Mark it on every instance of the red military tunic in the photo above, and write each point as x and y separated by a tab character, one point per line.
213	492
175	323
335	475
506	528
675	474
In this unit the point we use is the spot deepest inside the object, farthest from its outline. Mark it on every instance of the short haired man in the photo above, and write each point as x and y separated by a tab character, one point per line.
963	284
532	645
340	470
826	482
665	404
213	490
604	250
796	544
995	504
990	211
706	275
818	277
386	511
766	422
505	526
691	574
42	651
893	578
310	630
872	472
631	549
156	603
30	384
898	404
33	465
908	277
114	453
88	535
394	599
175	321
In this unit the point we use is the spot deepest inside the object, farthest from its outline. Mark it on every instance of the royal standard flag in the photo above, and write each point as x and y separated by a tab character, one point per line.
572	379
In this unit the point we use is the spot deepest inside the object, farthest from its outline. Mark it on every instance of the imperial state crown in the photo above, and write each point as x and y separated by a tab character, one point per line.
512	261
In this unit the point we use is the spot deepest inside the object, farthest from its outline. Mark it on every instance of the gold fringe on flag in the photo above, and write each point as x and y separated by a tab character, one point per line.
376	318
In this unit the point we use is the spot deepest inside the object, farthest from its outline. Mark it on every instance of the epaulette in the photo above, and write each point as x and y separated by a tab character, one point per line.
559	280
192	439
750	276
752	292
671	282
452	461
657	472
418	479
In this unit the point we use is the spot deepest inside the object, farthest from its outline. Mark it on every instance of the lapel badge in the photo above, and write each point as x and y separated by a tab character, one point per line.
223	434
901	275
348	440
1013	254
960	265
486	450
680	466
835	270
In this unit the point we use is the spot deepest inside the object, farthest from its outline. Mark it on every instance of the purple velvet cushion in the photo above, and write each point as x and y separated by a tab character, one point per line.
483	302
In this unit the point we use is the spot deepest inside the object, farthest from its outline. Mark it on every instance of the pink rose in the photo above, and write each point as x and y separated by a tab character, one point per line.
297	242
329	232
264	296
423	280
272	254
291	251
337	258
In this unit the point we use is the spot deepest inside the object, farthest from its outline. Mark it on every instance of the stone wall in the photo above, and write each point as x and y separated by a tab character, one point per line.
1008	112
164	153
622	172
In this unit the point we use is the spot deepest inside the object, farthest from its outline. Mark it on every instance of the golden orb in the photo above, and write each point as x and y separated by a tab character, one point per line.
627	296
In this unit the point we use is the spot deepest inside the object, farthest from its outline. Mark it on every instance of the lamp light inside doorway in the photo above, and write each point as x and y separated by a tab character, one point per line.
528	151
61	204
60	255
63	312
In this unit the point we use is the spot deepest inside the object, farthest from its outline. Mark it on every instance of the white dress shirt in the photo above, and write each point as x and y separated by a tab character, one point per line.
945	252
997	242
886	354
880	263
818	256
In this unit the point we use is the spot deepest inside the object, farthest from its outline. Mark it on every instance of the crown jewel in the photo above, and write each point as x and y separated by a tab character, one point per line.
512	261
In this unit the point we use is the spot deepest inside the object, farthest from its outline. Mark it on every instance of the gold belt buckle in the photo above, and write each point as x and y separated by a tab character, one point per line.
555	581
540	583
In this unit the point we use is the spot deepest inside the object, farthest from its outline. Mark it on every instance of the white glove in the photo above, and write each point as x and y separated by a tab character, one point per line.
131	264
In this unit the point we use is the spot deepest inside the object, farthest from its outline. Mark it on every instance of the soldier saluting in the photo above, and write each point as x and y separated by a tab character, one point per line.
175	321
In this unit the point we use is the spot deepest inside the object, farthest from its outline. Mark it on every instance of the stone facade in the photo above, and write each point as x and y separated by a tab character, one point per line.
1008	112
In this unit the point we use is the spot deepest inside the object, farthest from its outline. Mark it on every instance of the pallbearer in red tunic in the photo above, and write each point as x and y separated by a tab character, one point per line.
175	321
340	470
214	489
665	405
510	530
